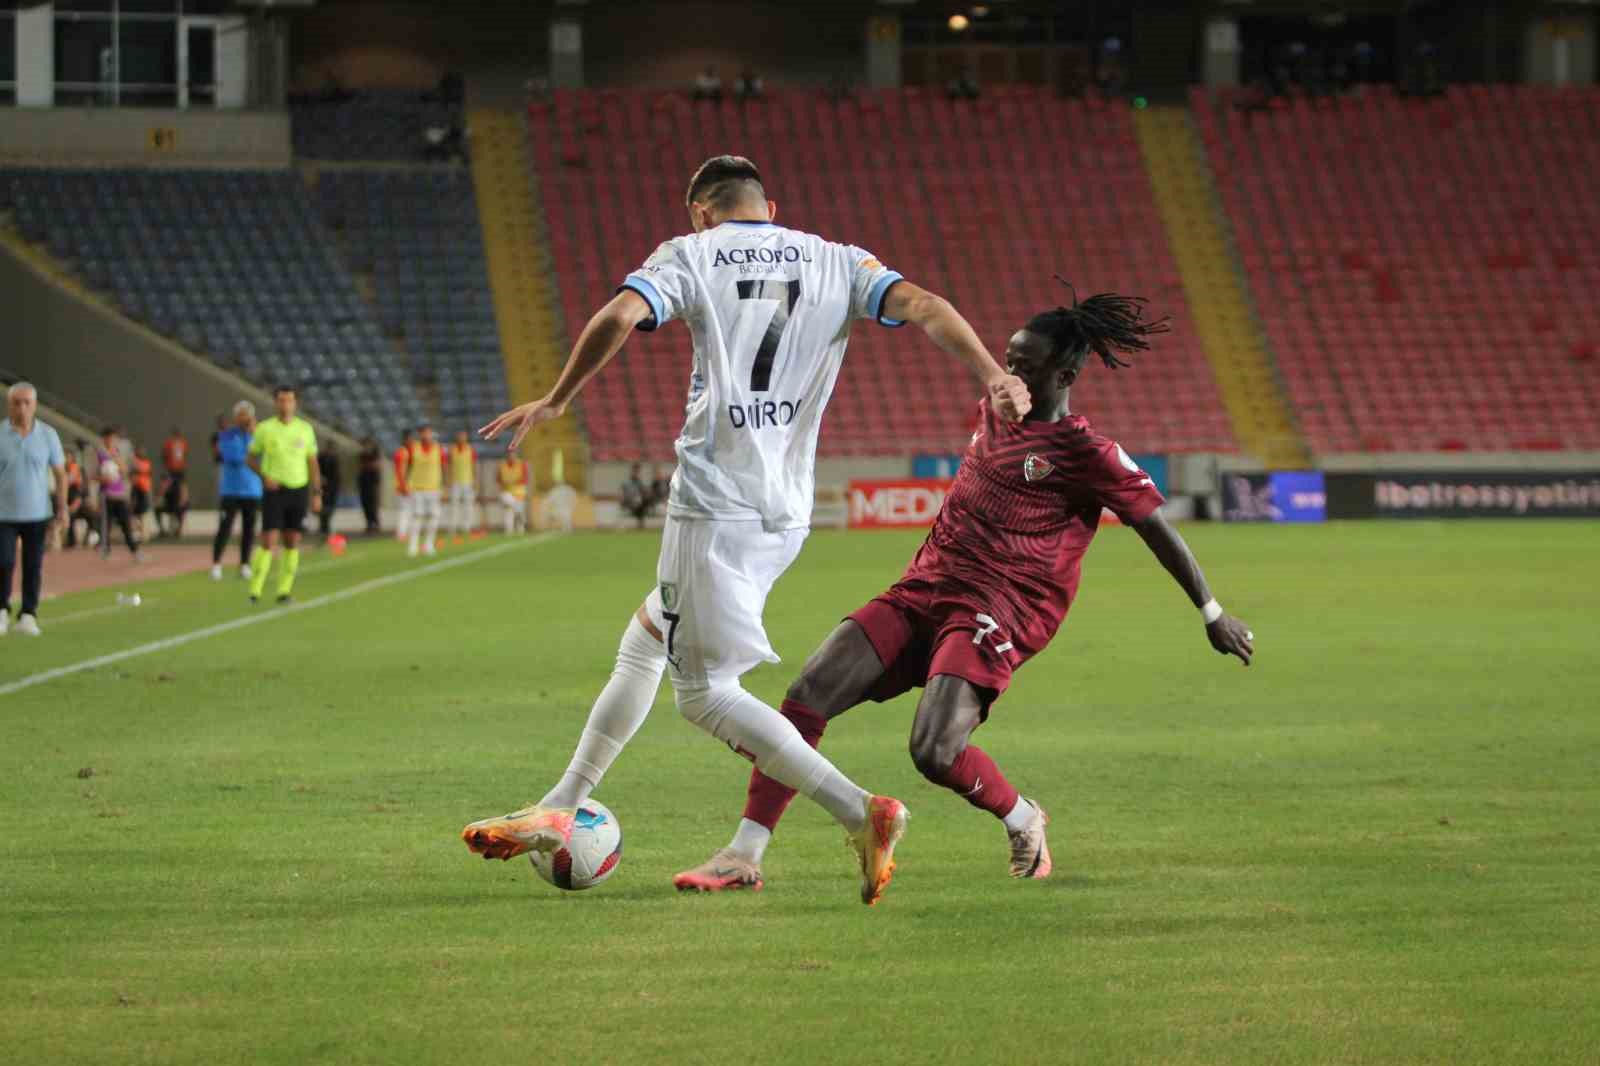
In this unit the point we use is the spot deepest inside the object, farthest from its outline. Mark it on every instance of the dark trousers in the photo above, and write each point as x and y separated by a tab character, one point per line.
369	500
245	507
32	536
330	503
116	511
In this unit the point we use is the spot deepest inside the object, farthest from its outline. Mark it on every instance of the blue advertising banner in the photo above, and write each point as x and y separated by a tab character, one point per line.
1300	495
935	467
1156	467
1282	496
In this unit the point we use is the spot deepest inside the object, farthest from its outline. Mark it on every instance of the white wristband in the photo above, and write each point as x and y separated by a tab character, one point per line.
1210	611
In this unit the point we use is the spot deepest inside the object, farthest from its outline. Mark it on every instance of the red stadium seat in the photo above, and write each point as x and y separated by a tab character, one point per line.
1421	265
934	188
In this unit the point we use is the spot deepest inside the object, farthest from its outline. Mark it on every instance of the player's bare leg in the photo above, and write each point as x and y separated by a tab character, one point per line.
836	677
950	709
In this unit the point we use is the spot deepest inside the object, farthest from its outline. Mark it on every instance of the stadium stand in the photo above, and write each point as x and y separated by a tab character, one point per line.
416	232
1424	269
234	264
983	201
370	126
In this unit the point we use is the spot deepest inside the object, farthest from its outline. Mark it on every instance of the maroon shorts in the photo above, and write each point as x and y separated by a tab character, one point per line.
920	631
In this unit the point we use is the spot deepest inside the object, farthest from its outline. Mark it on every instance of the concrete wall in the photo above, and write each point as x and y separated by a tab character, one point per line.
788	43
72	345
399	45
144	135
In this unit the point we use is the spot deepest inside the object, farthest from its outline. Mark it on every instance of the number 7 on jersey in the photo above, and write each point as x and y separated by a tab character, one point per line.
784	295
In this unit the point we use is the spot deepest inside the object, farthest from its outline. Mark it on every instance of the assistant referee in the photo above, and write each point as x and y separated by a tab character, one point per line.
284	452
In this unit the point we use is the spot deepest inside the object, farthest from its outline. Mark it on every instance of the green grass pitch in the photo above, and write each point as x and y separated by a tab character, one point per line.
1380	844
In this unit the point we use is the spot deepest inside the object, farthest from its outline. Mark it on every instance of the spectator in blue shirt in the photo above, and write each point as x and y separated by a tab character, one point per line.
30	452
241	489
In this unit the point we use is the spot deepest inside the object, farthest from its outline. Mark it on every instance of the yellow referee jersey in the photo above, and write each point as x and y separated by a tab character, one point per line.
285	449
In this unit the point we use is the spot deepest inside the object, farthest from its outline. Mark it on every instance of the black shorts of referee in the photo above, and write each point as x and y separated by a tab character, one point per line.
285	509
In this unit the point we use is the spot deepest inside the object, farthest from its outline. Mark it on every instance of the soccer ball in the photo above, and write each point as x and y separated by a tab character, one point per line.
591	855
110	471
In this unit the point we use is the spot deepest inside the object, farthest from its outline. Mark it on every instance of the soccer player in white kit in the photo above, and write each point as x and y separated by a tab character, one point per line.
770	310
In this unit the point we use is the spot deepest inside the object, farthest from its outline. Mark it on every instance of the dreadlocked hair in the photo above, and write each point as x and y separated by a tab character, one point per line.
1105	323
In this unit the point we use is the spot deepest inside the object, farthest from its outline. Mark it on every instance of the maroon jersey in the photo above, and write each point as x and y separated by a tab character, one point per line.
1012	532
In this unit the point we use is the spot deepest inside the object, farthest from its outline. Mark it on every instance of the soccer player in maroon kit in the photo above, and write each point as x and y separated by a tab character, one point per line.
988	588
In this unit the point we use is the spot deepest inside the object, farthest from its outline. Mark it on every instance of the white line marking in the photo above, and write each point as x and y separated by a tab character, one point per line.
62	619
267	615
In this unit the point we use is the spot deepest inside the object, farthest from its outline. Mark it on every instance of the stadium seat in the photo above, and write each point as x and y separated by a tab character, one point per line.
233	263
984	204
1423	268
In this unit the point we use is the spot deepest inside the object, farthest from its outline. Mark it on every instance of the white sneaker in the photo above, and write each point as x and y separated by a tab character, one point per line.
28	625
216	572
5	621
245	572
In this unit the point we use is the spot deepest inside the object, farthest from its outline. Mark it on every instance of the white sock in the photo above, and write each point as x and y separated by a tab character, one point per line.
1020	816
403	526
745	724
750	840
617	714
430	529
416	535
511	520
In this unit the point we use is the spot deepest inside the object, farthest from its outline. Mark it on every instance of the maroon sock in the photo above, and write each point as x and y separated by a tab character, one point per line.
766	799
976	778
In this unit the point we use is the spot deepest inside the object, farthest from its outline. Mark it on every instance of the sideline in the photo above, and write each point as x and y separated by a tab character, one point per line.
267	614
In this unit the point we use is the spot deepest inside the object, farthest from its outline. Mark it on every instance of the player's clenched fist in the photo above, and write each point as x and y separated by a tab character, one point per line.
1009	397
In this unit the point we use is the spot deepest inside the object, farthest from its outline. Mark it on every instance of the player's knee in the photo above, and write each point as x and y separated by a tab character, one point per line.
697	703
707	707
813	689
933	755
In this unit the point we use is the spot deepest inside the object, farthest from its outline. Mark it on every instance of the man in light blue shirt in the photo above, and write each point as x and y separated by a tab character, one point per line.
241	489
29	452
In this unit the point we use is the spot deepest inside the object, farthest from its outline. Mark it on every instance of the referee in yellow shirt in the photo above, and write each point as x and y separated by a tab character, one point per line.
284	452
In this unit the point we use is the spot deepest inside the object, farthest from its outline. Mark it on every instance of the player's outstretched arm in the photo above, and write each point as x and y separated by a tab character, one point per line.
601	339
943	324
1227	634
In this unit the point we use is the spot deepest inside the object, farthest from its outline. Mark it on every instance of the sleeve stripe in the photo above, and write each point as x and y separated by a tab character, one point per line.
880	289
644	287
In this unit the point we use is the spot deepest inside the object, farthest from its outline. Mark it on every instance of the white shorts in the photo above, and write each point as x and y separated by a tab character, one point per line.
425	503
405	506
712	583
511	503
461	494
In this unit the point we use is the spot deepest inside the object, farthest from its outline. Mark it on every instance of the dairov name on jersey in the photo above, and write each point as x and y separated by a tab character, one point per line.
767	413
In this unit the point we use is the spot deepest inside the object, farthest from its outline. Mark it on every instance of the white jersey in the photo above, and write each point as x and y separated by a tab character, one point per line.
770	311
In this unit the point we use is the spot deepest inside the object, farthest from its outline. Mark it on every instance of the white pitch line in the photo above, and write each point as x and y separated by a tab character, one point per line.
62	619
266	615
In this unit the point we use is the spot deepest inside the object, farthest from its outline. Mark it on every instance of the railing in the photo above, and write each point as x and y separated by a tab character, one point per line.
58	403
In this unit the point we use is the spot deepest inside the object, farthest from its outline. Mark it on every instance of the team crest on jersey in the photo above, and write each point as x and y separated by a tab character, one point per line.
1035	468
669	596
